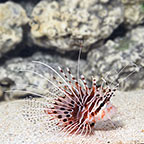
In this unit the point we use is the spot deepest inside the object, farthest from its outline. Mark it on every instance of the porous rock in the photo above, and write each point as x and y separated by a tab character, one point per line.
133	12
61	23
19	77
106	61
12	17
118	59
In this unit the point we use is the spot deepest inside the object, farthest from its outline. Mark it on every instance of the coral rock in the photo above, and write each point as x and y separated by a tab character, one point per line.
133	12
61	23
12	17
124	53
18	73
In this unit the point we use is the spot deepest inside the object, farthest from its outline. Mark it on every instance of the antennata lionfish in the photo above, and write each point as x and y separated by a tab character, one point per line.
76	108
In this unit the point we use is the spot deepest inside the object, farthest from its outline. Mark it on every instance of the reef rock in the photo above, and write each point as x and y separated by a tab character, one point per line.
19	77
12	17
133	12
118	59
137	35
60	23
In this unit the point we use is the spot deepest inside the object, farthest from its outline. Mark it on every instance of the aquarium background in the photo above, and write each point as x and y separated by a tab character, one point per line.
96	38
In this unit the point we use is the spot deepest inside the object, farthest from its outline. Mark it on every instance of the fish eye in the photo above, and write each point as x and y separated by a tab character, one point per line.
92	124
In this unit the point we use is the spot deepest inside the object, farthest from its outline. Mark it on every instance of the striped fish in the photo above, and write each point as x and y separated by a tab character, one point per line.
80	107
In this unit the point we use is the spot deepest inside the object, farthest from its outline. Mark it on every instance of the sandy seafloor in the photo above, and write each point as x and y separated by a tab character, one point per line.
128	129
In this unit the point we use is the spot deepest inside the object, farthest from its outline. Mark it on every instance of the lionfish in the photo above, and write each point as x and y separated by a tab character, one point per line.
76	107
79	107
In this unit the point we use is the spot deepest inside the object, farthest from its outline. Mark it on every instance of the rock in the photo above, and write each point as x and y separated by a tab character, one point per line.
110	59
21	73
125	55
5	84
61	23
128	124
137	35
28	6
131	2
12	17
133	13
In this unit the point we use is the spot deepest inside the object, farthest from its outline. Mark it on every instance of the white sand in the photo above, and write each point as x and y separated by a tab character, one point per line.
129	125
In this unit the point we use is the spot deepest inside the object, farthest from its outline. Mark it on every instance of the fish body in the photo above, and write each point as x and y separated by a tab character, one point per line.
80	107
